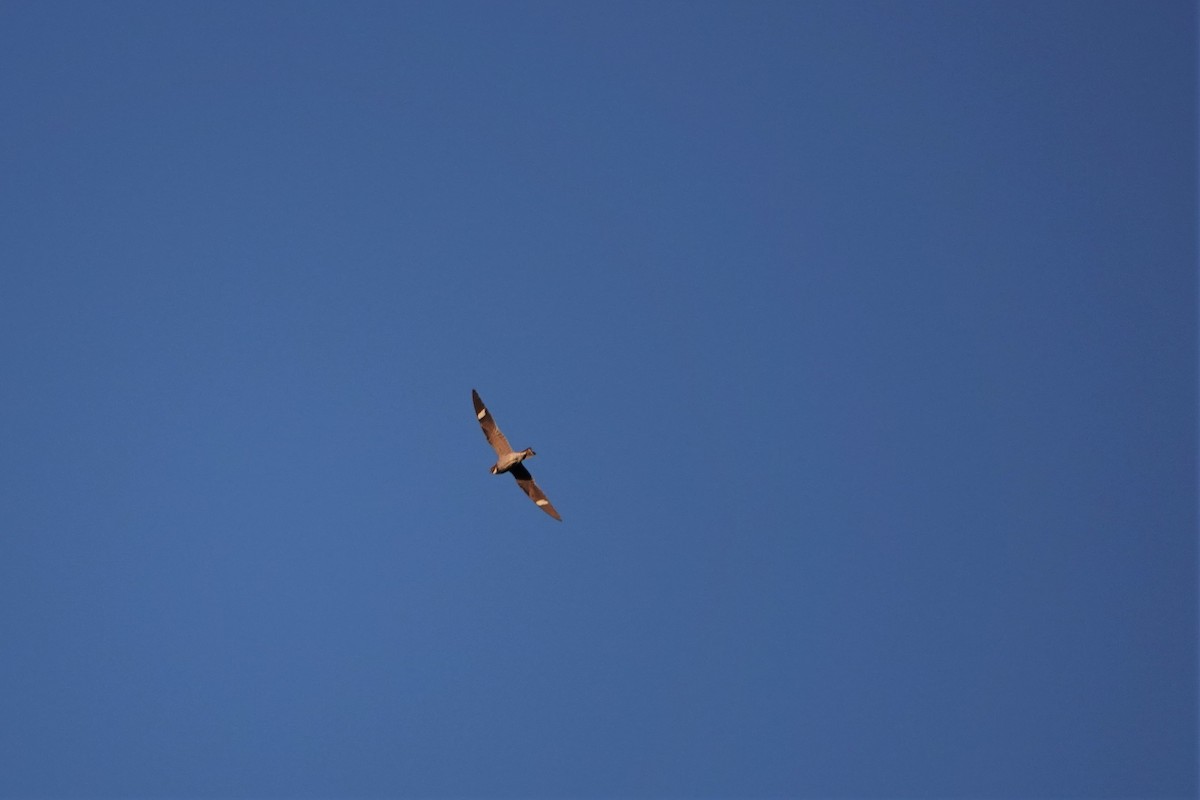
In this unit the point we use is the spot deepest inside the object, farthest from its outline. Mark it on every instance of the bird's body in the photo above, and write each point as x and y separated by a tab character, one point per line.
508	460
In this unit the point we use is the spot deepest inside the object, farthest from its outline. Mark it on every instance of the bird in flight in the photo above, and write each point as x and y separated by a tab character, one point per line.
507	460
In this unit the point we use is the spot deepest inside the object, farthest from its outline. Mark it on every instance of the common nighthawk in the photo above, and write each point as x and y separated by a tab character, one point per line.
507	460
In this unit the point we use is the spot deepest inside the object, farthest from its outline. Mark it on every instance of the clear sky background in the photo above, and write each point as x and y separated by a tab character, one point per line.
857	342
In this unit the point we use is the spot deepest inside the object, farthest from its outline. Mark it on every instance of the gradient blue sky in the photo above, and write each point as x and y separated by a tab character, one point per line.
857	341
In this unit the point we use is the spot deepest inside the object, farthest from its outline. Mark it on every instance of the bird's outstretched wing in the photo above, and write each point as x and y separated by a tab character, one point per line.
494	436
525	481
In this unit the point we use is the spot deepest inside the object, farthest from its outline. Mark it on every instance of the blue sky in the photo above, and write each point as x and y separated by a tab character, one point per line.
857	342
